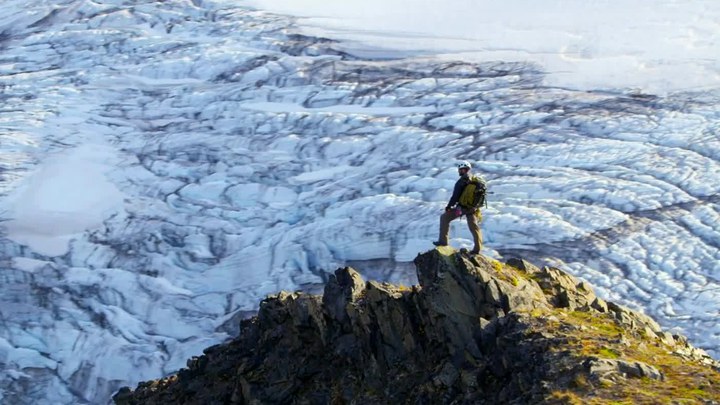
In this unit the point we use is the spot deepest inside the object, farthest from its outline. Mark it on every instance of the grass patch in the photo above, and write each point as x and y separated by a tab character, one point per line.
537	312
597	334
522	273
504	272
566	397
602	323
608	353
496	265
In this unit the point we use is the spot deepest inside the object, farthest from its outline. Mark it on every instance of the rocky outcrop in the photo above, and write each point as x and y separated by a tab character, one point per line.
474	331
602	368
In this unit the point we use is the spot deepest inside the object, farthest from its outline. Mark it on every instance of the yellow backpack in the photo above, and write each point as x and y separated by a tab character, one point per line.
474	193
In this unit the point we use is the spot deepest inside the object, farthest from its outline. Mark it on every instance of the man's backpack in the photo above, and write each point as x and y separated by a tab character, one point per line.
474	193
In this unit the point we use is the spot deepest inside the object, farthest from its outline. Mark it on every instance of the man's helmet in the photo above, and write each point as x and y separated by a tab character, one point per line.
464	165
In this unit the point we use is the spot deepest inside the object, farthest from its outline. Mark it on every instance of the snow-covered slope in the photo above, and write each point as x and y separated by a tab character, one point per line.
657	46
167	164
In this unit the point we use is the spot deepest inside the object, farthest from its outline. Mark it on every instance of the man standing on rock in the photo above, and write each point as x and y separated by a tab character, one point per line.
467	198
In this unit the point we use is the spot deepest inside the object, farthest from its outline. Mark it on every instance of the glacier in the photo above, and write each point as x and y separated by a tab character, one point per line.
165	165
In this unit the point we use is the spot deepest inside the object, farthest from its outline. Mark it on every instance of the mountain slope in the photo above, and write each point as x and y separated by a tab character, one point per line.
474	331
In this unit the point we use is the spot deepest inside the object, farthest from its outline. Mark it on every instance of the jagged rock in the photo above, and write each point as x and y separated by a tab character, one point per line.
343	287
667	338
599	305
523	265
447	376
564	290
602	368
474	331
633	319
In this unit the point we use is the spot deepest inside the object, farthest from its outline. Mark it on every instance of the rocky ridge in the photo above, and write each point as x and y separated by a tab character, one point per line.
474	330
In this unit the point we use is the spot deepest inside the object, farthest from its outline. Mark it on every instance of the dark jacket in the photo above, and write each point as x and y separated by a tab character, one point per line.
459	187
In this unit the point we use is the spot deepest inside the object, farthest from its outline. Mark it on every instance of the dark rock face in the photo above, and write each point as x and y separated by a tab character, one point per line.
474	331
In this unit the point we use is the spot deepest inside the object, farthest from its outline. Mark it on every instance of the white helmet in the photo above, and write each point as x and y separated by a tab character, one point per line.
464	165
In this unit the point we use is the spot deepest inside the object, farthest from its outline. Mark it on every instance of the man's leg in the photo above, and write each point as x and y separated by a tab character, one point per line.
445	226
475	229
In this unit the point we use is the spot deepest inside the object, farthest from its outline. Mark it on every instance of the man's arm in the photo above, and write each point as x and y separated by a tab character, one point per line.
459	185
